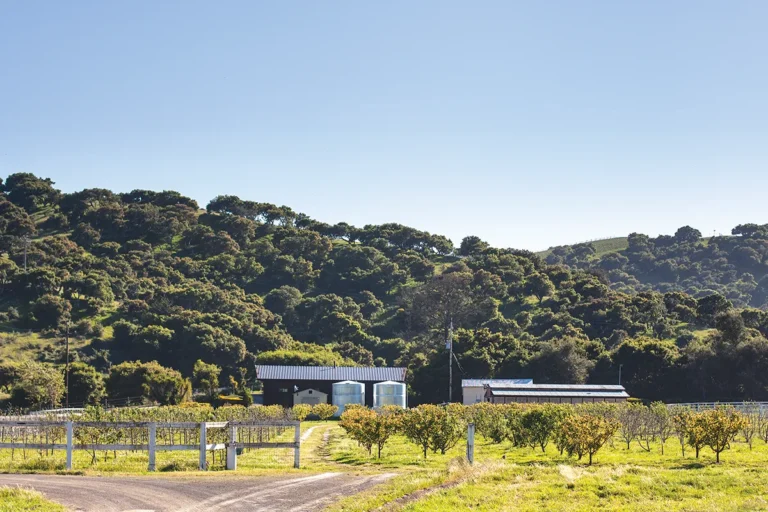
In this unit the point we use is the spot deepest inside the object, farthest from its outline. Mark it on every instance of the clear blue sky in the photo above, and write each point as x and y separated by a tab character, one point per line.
528	124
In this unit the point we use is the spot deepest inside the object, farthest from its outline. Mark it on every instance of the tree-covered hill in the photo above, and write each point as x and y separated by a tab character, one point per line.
735	266
151	276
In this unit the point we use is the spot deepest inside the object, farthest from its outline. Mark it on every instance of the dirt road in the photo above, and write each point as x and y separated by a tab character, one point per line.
178	494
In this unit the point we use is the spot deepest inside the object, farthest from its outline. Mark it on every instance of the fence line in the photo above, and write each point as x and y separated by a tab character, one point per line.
739	406
53	432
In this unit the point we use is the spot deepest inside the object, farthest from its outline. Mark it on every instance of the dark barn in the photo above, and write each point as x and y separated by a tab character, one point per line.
281	382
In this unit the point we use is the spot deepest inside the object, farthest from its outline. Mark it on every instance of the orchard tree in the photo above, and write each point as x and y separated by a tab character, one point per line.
301	411
720	426
587	433
325	411
419	423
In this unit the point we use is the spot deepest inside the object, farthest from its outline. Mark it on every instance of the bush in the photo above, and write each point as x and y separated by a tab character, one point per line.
86	385
50	311
38	385
324	411
301	411
150	381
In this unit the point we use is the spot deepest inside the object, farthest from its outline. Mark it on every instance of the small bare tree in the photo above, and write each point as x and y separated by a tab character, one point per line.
662	422
630	422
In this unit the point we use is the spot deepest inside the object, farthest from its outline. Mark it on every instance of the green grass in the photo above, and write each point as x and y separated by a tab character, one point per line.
24	346
601	246
23	500
524	479
609	245
503	477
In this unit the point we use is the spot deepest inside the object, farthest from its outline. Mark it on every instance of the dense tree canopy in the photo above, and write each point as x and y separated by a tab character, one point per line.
149	276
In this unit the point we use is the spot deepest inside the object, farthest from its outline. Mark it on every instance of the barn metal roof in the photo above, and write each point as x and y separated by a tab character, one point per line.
563	394
478	383
552	387
334	373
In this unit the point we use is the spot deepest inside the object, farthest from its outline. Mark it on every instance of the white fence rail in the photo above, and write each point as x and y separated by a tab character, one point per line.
65	430
739	406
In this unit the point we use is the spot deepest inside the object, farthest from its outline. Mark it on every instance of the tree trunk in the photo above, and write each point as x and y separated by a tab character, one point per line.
590	458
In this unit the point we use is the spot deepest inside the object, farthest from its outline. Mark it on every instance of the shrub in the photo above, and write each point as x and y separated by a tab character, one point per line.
38	385
86	385
324	411
206	378
301	411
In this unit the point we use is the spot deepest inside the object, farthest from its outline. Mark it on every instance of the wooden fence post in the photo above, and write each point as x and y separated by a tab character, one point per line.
70	446
297	446
152	445
471	443
203	444
232	448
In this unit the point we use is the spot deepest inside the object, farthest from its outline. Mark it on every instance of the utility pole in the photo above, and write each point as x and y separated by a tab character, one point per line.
66	371
620	374
449	346
25	241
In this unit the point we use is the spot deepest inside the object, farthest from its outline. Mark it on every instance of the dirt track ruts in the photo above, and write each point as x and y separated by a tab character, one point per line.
199	494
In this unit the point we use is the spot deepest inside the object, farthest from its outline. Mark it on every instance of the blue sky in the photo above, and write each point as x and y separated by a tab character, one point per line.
528	124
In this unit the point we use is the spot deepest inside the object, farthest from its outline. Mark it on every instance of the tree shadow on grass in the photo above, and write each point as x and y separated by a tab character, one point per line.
690	465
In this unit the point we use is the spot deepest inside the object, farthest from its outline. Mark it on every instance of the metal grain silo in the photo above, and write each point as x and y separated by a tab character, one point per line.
389	393
346	393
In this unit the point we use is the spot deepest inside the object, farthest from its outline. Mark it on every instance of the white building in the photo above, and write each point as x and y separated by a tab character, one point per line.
310	397
473	390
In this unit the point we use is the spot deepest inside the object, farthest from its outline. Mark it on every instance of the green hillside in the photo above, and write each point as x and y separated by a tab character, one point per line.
152	276
603	246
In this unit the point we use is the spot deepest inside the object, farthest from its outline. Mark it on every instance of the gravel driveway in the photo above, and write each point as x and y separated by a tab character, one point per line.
179	494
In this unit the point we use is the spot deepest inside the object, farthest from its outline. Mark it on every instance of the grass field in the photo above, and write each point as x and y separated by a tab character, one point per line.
524	479
24	500
502	478
23	346
601	246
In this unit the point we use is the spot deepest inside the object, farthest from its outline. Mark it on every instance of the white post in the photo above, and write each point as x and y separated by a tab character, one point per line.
232	448
202	446
471	443
152	445
69	445
297	446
